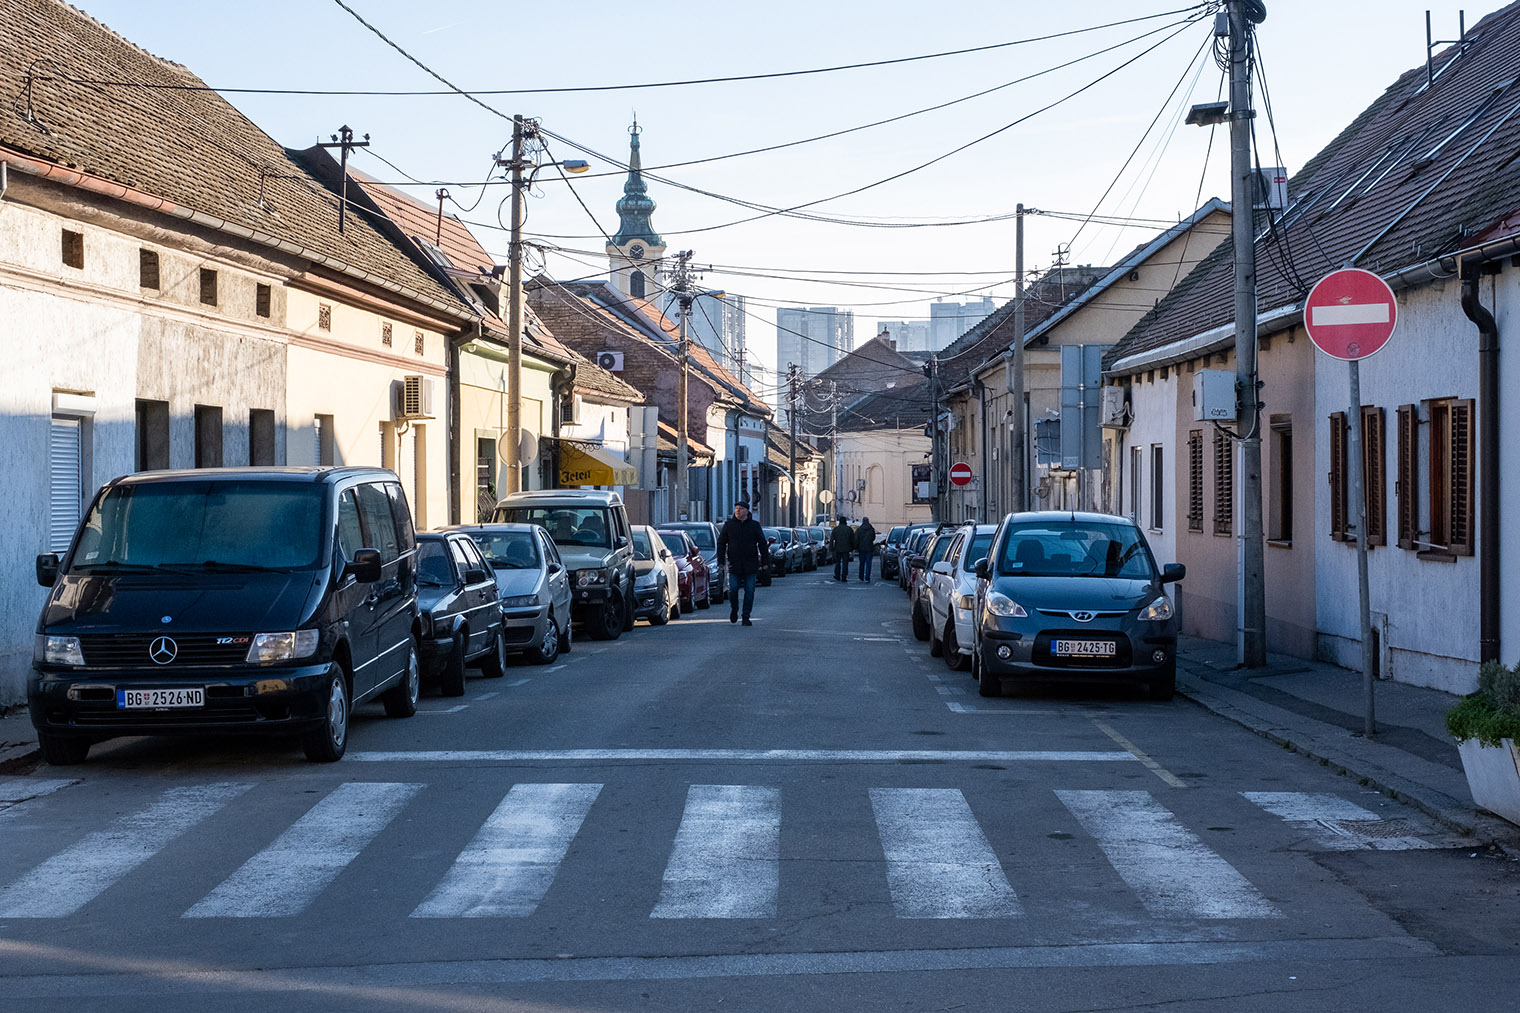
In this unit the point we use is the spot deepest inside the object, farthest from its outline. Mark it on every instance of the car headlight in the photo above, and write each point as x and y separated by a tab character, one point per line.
1001	605
519	601
269	647
1158	610
590	578
58	650
965	601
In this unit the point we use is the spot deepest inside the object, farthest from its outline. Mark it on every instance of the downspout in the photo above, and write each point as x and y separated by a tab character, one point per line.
1488	462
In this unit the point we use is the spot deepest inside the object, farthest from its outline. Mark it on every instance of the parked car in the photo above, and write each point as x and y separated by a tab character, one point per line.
913	544
656	585
705	534
534	587
919	567
807	552
691	569
952	595
780	551
823	550
228	601
590	529
889	551
459	610
1069	597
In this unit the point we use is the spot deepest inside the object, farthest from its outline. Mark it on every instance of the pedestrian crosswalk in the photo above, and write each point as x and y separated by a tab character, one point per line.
935	854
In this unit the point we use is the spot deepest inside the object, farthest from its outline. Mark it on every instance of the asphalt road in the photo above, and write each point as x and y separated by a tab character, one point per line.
808	814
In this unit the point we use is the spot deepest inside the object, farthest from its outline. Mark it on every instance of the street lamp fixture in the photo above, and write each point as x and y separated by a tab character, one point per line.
1209	114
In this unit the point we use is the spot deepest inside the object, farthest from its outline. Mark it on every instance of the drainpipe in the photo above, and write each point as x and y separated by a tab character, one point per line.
1488	462
455	438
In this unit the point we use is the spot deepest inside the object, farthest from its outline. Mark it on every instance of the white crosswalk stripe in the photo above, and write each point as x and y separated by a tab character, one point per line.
72	878
1336	824
726	860
512	862
939	864
289	874
1172	872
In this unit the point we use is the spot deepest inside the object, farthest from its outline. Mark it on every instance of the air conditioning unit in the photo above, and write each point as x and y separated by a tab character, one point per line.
570	410
414	398
1114	409
612	362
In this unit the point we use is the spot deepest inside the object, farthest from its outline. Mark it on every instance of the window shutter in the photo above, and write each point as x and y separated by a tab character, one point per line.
65	481
1460	512
1338	476
1374	474
1224	484
1195	480
1406	485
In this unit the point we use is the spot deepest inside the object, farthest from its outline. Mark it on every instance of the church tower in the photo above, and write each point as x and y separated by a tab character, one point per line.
635	253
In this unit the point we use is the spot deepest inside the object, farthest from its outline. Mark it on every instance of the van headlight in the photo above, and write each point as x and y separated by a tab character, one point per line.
590	578
1158	610
1000	604
269	647
58	650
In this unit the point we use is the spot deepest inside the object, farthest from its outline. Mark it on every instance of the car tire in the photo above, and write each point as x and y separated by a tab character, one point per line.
921	629
706	602
662	616
628	619
401	699
547	652
328	743
451	683
687	606
675	609
494	664
62	751
607	624
988	685
954	659
1164	686
936	646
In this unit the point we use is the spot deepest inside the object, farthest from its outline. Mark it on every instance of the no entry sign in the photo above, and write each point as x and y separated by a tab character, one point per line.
1350	314
960	474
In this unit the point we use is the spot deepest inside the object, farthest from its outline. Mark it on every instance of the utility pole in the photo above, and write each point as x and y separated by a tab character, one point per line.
344	140
1019	438
791	466
681	278
1243	16
521	129
834	440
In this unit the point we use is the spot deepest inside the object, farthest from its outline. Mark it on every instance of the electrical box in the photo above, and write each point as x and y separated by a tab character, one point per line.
1214	395
1114	411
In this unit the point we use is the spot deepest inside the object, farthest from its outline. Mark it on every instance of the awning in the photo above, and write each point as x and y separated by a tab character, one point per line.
580	464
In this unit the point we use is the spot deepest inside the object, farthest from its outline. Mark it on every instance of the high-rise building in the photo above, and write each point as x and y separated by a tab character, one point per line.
717	324
634	254
949	320
814	339
908	335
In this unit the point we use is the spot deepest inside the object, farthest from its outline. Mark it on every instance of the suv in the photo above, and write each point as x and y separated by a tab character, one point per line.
590	529
228	600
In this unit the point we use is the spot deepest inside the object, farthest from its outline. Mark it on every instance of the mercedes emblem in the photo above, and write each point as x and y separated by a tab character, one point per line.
163	650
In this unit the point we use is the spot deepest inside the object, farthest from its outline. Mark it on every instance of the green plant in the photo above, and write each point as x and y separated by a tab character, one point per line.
1492	714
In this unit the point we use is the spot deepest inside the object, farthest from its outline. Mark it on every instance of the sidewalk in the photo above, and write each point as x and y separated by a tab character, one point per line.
18	742
1319	709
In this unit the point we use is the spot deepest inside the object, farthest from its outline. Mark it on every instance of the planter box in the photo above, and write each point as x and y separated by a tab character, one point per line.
1493	776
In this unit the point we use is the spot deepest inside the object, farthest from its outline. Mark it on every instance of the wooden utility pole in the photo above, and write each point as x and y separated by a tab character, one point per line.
344	141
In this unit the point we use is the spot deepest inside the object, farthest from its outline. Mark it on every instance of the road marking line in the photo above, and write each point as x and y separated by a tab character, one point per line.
487	696
1335	823
971	708
520	682
443	710
726	862
1173	872
288	875
511	863
944	690
939	864
805	755
1150	764
878	640
72	878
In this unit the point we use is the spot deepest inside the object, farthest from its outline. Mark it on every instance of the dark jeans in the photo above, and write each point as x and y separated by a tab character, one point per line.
865	565
842	566
746	581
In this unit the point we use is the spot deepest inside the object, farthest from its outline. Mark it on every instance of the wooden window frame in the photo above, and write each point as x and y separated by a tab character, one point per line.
1340	528
1406	485
1452	461
1375	473
1281	517
1195	480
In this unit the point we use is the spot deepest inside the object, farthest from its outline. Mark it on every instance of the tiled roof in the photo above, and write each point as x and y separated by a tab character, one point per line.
189	147
907	407
1422	172
669	439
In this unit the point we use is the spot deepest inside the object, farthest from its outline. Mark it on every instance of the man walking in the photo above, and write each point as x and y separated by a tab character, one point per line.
843	540
865	544
742	545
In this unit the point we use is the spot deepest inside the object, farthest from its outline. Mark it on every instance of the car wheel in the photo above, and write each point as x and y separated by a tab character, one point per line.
920	625
954	659
327	743
936	647
986	684
627	608
687	605
401	699
546	651
452	680
494	664
62	751
608	622
1164	686
706	601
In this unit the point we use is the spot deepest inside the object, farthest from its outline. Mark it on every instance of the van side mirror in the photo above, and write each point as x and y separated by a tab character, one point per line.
1172	572
983	568
365	566
47	569
916	563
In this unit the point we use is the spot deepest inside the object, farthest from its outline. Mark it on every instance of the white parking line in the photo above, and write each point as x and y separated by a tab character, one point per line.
520	682
739	755
487	696
443	710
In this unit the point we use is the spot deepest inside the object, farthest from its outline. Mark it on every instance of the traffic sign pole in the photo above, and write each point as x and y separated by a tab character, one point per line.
1363	586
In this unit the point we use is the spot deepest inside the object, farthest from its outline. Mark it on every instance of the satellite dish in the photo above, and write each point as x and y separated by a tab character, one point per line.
527	448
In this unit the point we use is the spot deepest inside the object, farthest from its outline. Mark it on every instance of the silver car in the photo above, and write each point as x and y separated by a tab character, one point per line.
1074	597
534	586
656	584
951	587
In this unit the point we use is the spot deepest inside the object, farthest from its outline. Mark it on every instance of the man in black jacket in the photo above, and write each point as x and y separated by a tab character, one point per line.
742	544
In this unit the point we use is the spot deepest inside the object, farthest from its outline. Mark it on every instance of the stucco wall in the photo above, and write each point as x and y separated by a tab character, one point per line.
894	452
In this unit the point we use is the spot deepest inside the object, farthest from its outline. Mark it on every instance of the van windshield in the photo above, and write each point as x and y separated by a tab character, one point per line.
569	526
216	524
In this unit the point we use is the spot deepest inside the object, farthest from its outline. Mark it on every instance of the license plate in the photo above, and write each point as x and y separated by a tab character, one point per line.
161	699
1083	648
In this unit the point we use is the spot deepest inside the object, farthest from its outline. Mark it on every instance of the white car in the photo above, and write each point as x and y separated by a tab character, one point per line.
951	587
656	584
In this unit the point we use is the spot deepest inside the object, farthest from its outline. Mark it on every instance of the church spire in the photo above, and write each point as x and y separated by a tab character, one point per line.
636	206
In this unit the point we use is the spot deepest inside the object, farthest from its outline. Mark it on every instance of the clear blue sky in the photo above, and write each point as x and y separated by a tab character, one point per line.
1325	61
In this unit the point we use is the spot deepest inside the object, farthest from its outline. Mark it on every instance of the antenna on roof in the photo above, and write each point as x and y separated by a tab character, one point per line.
442	195
1431	44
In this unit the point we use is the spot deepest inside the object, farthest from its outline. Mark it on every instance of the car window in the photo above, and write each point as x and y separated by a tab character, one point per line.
433	565
456	550
1076	549
702	535
471	553
547	545
954	553
509	550
895	535
567	525
642	547
350	534
406	536
674	541
980	543
938	550
379	522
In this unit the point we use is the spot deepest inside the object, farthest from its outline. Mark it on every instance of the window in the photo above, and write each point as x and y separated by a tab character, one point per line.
485	475
323	437
1451	477
208	286
636	284
208	436
419	343
66	479
350	535
1157	488
152	435
261	297
1224	483
405	534
261	436
1195	480
1338	526
1374	479
324	316
147	269
1280	494
379	524
73	249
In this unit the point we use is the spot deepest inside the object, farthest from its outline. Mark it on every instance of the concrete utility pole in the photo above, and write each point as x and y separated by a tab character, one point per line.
1244	15
521	129
791	465
680	284
1017	437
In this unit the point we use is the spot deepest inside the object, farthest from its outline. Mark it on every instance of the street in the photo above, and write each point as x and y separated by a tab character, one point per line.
810	814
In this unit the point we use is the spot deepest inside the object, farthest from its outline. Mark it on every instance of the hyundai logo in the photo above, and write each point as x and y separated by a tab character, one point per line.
163	650
1083	617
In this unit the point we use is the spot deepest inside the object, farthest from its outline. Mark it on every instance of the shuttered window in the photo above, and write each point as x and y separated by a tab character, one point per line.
1375	474
1406	487
1451	477
65	480
1338	524
1195	480
1224	484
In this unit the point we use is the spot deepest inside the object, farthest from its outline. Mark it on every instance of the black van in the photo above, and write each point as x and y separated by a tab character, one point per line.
228	600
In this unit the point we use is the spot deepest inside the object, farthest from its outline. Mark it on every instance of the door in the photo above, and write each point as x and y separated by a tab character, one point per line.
389	606
351	598
559	579
481	609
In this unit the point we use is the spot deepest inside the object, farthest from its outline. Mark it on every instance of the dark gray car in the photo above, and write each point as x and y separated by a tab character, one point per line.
1074	597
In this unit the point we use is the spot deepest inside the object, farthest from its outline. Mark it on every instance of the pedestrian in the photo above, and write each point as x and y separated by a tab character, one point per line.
865	544
741	543
843	540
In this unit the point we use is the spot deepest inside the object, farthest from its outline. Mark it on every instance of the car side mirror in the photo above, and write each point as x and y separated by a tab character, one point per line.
941	567
664	553
475	575
983	568
47	569
365	566
622	540
555	568
1173	572
916	563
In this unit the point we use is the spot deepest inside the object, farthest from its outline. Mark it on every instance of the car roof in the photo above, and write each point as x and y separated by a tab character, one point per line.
1051	516
257	474
586	497
470	529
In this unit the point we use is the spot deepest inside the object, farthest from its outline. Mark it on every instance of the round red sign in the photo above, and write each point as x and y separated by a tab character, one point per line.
960	474
1350	314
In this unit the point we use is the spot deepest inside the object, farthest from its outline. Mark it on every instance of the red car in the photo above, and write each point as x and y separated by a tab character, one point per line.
691	569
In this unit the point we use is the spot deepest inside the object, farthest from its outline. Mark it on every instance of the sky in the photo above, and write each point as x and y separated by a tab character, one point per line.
1102	135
